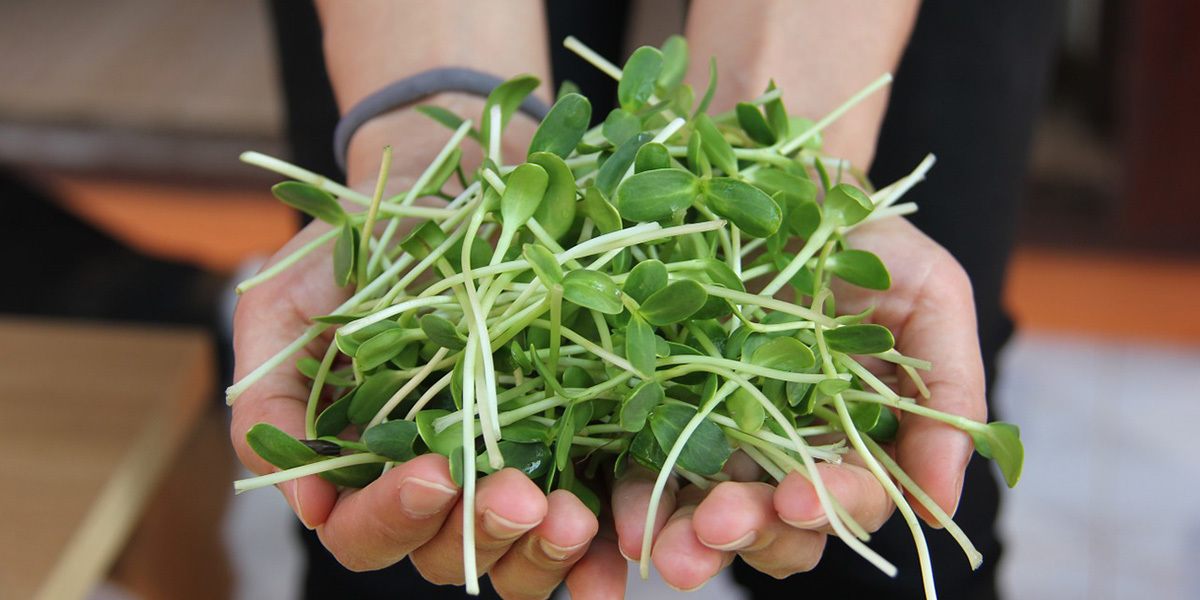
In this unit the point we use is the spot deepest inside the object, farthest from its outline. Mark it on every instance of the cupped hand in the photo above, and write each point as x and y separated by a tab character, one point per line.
781	530
527	542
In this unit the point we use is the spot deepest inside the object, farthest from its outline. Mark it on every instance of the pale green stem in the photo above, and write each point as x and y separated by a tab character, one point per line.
314	395
419	185
287	261
320	466
408	388
664	475
368	230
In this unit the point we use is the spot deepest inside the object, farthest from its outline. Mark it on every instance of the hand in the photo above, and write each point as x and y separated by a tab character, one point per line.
782	530
526	541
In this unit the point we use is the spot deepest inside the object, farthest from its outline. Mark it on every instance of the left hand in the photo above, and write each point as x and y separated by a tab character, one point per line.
781	530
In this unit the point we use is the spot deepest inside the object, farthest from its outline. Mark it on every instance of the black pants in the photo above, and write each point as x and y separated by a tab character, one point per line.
968	89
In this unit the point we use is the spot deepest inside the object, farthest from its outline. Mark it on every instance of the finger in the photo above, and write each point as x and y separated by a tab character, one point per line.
267	319
741	517
630	499
380	524
507	505
942	330
680	558
539	562
854	487
600	574
311	498
930	309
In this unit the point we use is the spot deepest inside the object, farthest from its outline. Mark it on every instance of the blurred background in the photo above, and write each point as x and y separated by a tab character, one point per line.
125	207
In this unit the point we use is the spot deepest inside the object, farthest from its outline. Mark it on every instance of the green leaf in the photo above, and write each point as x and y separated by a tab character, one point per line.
865	338
638	77
719	152
423	239
279	448
334	419
556	212
746	206
674	67
752	121
308	366
674	303
345	255
830	387
310	200
594	290
777	115
563	126
393	439
458	466
704	453
650	157
847	205
1001	442
747	411
508	96
645	450
349	343
381	348
443	442
861	268
784	354
574	418
526	186
543	263
874	420
604	215
644	279
640	345
614	168
357	476
526	430
620	126
772	181
442	332
697	161
534	460
711	89
656	195
373	394
637	405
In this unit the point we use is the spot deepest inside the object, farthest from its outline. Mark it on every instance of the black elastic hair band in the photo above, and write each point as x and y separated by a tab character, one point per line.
414	88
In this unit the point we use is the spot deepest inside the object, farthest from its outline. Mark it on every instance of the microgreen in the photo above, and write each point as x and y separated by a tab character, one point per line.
600	302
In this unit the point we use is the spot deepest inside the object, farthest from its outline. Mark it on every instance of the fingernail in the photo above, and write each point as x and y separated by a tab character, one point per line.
743	542
298	506
421	499
626	556
501	528
816	523
556	552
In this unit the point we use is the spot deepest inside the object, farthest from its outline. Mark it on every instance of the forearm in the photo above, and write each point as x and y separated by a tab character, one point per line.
819	53
372	43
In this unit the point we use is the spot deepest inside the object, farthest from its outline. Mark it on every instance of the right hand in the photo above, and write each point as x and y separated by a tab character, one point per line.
527	542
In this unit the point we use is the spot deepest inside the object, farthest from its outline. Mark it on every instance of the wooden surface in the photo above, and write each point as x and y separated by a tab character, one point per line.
90	416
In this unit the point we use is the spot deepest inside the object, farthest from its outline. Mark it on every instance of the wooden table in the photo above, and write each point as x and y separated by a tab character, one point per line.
90	418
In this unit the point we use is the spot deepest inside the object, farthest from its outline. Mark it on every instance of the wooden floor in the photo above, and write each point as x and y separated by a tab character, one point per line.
1146	297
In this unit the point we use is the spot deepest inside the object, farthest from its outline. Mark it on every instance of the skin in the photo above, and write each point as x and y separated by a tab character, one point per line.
529	542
